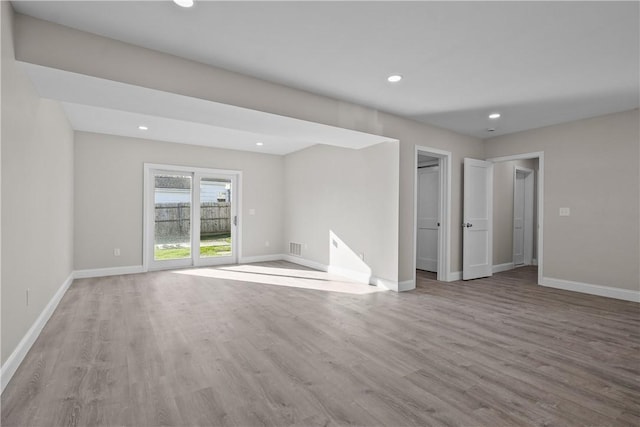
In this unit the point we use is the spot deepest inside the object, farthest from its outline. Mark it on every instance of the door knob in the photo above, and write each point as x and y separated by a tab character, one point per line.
468	224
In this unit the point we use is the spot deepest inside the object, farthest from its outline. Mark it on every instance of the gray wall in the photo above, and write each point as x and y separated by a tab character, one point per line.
352	193
56	46
109	188
592	167
503	209
310	191
37	197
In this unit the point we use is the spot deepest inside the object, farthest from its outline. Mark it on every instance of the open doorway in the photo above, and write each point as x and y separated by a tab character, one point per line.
524	216
432	205
518	207
428	213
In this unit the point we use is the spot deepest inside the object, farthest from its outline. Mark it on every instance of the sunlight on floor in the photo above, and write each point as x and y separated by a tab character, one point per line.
282	276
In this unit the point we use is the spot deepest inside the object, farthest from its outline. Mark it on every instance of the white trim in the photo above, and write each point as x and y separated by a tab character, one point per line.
389	285
10	367
109	271
587	288
356	276
305	262
444	252
455	276
498	268
406	285
351	274
534	261
540	247
261	258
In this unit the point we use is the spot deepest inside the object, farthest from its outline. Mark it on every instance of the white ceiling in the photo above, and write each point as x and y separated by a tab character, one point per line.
538	63
104	106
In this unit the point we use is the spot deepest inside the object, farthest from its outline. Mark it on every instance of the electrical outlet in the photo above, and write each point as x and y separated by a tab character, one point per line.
252	211
565	211
266	243
116	251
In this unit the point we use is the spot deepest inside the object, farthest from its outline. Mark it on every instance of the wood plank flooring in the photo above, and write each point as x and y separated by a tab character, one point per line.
243	346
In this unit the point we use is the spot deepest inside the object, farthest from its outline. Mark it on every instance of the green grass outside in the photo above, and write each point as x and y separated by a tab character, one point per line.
205	251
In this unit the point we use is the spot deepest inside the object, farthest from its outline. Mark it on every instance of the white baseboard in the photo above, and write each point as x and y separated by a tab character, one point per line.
304	262
15	359
351	274
110	271
389	285
356	276
587	288
260	258
454	276
498	268
405	285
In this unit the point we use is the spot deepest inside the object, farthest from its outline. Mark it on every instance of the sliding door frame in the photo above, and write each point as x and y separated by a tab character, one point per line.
196	172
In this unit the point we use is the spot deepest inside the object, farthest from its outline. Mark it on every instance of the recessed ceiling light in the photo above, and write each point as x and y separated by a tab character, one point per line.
491	130
494	115
395	78
184	3
259	143
142	127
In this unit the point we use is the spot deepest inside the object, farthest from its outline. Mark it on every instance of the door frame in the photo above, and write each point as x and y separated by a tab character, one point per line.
424	167
444	232
529	179
147	229
540	245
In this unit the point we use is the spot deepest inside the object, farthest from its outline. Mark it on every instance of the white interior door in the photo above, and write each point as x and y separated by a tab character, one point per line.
518	219
523	213
477	226
428	221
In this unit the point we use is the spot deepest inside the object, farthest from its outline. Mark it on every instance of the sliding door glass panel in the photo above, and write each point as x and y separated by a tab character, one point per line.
215	217
172	216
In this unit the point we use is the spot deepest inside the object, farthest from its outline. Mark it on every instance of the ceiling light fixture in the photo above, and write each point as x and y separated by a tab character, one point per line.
142	127
491	130
184	3
395	78
259	144
494	115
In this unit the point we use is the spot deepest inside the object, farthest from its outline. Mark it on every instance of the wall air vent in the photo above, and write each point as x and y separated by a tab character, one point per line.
295	248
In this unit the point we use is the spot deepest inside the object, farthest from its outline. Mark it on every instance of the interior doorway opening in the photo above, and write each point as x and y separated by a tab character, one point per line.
432	207
518	206
524	216
428	212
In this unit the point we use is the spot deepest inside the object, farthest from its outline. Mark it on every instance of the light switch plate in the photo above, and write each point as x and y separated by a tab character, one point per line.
565	211
252	211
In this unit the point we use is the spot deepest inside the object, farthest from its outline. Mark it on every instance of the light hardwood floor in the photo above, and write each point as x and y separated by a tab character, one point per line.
237	346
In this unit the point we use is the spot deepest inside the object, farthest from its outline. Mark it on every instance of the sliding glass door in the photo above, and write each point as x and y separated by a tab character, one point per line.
216	219
172	218
191	218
